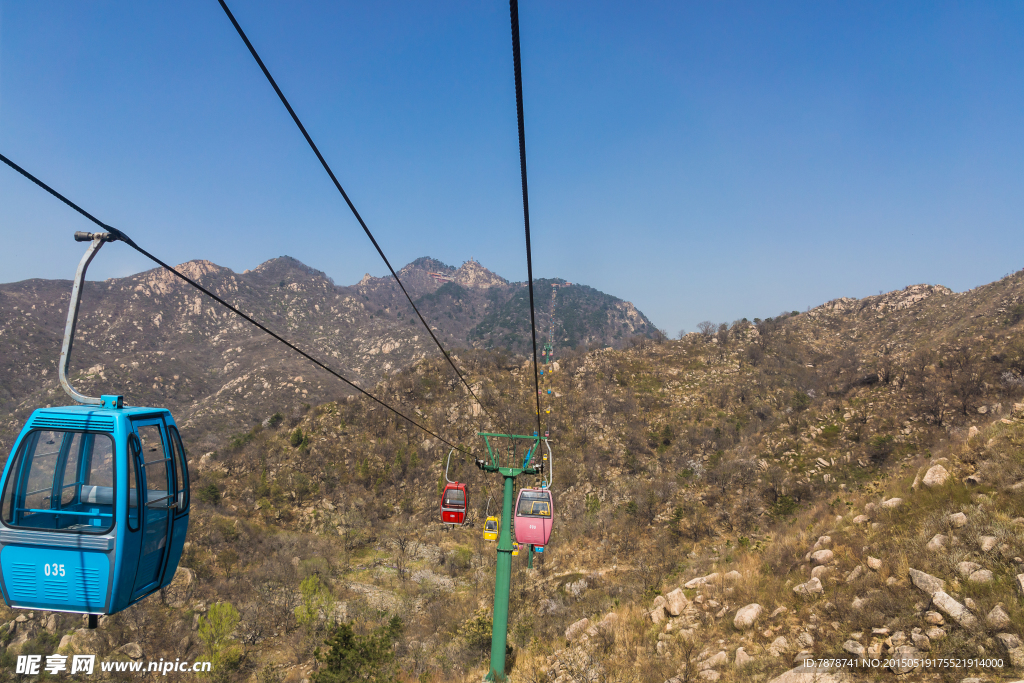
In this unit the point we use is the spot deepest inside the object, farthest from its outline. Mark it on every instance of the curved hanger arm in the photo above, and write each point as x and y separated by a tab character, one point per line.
447	464
97	239
551	463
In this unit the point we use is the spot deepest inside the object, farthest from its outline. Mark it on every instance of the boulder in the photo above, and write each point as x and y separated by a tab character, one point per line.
676	602
821	571
935	476
822	542
957	520
861	519
934	618
746	616
709	675
130	650
926	582
732	578
778	646
874	563
576	629
938	543
805	640
903	659
998	619
658	614
179	591
1020	583
891	504
719	659
967	568
803	674
857	572
921	641
981	576
935	633
986	543
854	648
81	641
955	611
812	587
742	659
24	631
1013	647
823	556
700	581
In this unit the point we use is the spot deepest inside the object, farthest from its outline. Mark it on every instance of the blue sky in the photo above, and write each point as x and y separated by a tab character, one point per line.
703	160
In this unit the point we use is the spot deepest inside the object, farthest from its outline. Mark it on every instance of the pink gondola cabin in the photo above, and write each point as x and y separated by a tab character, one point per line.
535	509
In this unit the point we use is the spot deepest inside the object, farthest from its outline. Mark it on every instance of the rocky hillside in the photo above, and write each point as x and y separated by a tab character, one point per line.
846	483
160	342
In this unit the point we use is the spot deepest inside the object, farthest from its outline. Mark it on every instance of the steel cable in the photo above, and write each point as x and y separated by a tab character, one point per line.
513	8
131	243
337	184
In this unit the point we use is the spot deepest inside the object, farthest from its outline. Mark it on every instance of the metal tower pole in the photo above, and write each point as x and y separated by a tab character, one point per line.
502	586
503	569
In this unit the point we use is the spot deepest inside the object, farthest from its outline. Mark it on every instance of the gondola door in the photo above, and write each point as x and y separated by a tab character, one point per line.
157	503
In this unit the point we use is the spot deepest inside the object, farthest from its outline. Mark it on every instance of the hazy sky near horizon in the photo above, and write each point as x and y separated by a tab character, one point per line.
704	160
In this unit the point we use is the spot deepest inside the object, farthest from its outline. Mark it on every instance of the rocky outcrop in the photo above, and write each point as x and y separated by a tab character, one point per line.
955	610
747	616
810	588
935	476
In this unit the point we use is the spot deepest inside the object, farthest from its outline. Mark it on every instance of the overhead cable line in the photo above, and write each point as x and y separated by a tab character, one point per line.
131	243
323	162
513	8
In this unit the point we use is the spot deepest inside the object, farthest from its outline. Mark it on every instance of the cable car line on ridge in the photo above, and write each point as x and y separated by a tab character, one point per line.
513	7
334	179
119	235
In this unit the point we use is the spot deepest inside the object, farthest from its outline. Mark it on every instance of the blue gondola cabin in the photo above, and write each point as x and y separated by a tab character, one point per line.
95	508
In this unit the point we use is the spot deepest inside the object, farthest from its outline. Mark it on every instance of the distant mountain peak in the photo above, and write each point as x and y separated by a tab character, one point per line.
472	274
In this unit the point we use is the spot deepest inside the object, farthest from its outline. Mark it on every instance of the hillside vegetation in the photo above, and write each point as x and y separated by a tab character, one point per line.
847	481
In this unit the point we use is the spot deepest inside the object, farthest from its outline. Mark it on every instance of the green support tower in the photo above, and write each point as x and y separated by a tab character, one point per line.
503	574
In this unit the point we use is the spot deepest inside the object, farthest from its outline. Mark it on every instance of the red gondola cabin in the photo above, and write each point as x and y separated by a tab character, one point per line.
454	503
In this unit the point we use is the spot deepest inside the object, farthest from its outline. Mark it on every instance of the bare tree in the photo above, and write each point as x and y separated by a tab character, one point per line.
767	330
963	371
706	329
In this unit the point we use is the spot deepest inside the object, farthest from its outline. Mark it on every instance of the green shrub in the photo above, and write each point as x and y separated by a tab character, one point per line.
462	557
881	447
208	494
240	441
215	629
352	657
783	507
477	631
297	438
1015	314
275	420
316	600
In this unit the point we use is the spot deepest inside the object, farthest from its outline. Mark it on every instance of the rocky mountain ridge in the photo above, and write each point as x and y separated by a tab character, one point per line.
158	341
